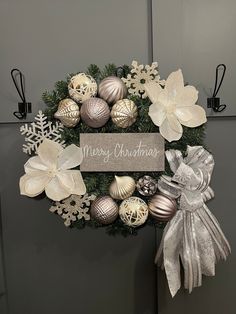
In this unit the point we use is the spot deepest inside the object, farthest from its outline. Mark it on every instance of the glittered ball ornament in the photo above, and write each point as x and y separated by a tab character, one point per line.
82	87
162	207
68	113
122	187
124	113
95	112
147	186
133	211
112	89
104	210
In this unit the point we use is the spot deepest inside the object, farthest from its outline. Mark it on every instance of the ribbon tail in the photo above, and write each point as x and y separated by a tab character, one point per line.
222	246
190	258
205	247
172	246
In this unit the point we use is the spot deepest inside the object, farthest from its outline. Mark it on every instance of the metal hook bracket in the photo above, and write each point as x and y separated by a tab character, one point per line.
214	102
24	107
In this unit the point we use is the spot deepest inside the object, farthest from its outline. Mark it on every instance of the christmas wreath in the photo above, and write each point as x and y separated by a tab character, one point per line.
110	104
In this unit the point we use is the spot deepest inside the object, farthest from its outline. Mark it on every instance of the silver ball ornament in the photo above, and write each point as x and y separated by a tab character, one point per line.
104	210
162	207
112	89
95	112
147	186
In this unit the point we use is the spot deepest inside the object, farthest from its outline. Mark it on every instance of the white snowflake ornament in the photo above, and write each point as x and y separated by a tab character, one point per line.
37	131
73	208
141	75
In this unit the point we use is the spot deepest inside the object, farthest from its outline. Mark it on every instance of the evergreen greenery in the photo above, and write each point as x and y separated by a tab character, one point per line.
99	183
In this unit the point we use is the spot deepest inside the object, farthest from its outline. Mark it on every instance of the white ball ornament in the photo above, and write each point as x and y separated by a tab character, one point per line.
82	87
133	211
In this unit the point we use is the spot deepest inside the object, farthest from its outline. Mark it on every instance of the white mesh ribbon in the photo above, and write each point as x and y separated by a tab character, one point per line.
193	235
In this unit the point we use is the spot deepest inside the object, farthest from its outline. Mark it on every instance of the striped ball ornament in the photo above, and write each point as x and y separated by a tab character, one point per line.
112	89
162	207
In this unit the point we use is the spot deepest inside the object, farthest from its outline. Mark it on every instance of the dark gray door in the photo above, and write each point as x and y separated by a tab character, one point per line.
196	36
52	269
217	294
48	268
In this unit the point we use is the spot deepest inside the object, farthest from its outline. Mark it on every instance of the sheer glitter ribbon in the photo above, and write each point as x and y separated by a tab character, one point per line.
193	235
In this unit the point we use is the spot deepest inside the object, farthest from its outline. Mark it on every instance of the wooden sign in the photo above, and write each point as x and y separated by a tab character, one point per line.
122	152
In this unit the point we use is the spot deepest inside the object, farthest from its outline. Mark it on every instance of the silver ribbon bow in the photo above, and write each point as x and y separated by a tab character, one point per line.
193	235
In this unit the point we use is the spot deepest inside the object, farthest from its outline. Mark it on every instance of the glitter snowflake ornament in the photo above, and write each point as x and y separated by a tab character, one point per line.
73	208
37	131
141	75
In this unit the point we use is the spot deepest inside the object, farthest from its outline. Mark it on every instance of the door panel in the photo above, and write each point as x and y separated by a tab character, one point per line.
217	294
196	36
49	39
51	269
3	288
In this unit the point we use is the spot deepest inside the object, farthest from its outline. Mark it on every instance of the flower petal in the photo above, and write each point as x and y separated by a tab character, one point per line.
187	96
48	152
174	123
56	191
22	182
157	113
70	157
153	90
73	181
184	113
164	98
197	116
33	185
35	164
174	83
168	133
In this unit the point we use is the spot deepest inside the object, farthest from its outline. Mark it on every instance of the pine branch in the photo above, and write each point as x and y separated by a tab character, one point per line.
94	71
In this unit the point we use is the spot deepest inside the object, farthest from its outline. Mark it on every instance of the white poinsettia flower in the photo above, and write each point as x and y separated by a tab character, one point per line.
50	172
174	106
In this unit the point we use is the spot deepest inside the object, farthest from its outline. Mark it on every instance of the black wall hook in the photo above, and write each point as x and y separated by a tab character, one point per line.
214	102
24	107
